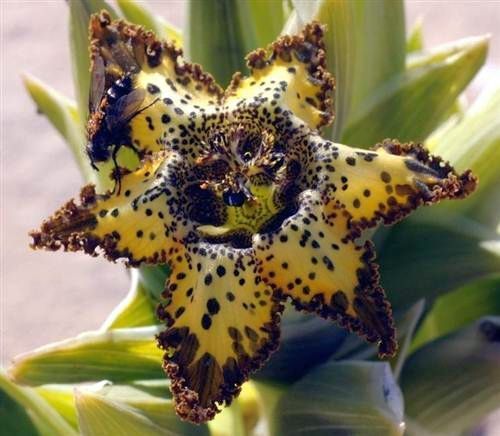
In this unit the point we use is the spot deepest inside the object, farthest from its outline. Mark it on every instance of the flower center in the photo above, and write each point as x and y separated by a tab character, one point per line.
243	185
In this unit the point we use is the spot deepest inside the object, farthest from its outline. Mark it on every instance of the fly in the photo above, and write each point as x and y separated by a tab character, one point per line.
123	103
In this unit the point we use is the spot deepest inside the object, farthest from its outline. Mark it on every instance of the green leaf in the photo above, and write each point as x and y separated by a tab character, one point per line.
99	416
229	422
24	412
222	32
153	278
451	383
116	355
406	327
473	141
14	418
355	348
306	341
244	25
63	115
216	40
459	308
105	408
137	309
80	12
262	21
415	40
138	13
414	103
422	259
365	43
350	397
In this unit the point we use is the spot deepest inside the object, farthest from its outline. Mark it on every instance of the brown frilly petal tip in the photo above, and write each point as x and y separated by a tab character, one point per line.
307	47
128	46
63	229
70	229
216	385
450	184
374	321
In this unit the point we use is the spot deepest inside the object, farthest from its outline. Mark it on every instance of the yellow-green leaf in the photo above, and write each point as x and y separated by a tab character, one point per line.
415	40
459	308
115	355
61	398
99	416
64	116
365	47
137	309
109	409
474	142
414	103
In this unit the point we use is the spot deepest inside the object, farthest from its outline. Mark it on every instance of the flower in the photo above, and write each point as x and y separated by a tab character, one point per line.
242	197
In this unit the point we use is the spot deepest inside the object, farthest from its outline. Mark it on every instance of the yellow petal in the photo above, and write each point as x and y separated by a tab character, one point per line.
385	184
222	323
141	223
164	104
290	76
310	260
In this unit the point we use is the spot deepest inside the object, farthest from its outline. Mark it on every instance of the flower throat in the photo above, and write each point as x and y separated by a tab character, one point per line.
243	186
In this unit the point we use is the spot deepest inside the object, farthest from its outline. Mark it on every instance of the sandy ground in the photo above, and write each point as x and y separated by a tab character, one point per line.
51	296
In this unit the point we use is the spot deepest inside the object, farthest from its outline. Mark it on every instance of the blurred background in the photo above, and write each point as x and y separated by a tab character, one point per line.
51	296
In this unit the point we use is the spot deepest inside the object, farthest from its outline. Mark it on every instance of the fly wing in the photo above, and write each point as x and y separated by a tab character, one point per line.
97	83
125	108
178	94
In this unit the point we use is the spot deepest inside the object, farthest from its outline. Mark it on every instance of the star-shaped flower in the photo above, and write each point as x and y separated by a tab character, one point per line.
242	197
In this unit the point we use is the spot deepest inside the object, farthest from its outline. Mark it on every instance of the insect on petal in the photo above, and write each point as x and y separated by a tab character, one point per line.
241	197
165	91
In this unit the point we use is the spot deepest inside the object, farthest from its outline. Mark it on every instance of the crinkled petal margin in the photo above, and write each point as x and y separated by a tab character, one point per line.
451	185
222	325
290	75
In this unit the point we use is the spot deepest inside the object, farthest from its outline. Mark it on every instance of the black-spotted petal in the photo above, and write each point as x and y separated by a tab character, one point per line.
383	184
312	260
222	324
154	99
144	223
289	85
